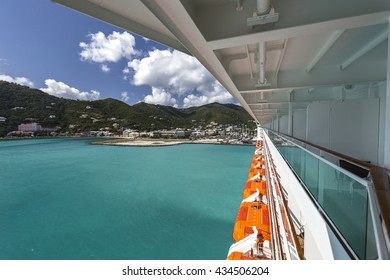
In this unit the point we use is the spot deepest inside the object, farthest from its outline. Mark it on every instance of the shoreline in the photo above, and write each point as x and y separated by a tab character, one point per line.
139	142
149	142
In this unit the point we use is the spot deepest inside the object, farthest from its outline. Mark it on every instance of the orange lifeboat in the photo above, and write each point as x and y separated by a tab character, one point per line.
252	186
257	160
251	214
254	171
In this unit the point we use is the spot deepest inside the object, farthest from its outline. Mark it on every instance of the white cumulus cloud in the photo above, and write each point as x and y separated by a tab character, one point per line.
111	48
18	80
105	68
180	74
169	69
193	100
160	96
125	96
61	89
211	92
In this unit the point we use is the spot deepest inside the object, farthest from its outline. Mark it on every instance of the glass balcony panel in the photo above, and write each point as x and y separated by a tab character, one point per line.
344	199
311	174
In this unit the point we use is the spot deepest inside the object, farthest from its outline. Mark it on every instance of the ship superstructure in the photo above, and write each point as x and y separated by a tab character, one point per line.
315	76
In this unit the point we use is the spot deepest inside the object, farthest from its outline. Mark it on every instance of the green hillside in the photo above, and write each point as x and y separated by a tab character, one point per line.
19	104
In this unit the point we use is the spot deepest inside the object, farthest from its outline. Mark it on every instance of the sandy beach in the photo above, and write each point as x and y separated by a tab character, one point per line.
149	142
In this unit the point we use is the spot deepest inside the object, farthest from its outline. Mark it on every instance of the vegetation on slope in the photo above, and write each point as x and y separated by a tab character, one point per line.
20	104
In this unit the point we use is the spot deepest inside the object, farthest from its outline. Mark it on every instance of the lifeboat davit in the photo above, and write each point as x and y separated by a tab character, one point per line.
240	256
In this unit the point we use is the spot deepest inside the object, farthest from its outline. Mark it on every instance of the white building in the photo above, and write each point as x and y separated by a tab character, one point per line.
182	133
29	127
131	133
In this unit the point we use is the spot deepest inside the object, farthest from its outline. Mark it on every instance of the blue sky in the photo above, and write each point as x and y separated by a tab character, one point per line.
68	54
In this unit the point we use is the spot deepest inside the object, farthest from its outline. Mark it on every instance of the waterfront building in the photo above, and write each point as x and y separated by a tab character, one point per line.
29	127
180	133
131	133
168	133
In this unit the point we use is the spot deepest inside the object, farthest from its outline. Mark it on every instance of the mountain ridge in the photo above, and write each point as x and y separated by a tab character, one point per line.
19	104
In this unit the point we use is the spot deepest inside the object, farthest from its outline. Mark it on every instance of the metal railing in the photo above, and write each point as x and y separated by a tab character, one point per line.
357	207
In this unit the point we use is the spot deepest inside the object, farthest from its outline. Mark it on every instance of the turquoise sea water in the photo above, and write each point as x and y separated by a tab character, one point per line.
65	199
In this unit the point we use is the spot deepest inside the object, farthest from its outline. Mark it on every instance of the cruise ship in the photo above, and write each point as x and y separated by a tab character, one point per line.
315	77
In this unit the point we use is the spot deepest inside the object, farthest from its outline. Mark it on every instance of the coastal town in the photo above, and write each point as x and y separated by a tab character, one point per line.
28	112
212	133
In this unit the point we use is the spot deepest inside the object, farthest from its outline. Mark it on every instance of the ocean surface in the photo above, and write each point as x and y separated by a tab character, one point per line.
65	199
